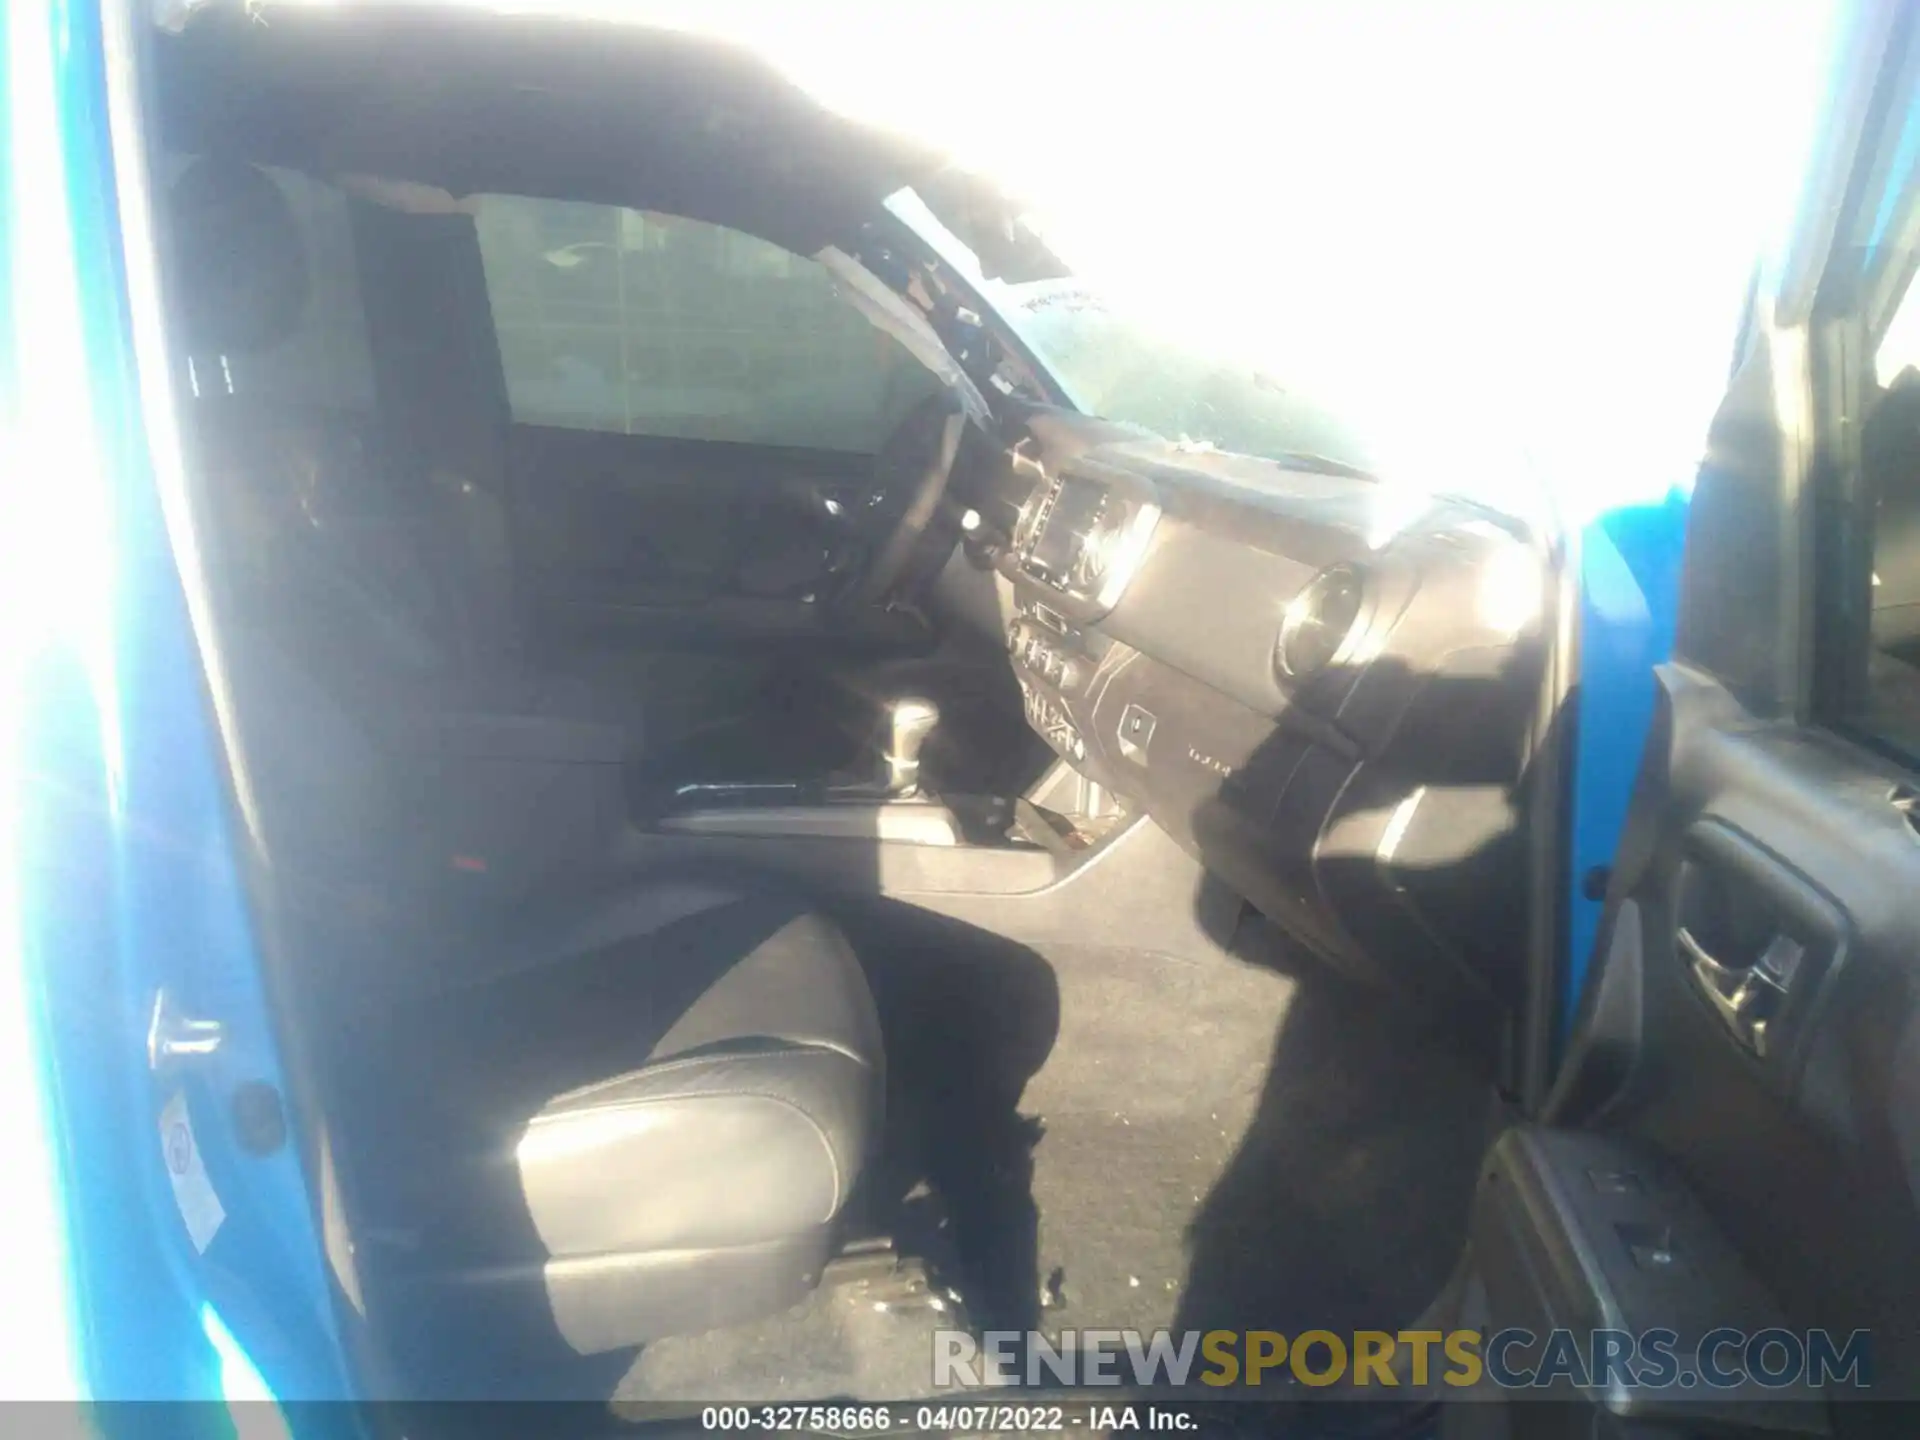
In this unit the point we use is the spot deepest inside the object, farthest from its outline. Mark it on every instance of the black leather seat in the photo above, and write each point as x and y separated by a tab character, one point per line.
648	1128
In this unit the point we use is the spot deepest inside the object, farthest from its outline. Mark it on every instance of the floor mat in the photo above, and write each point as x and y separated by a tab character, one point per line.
1231	1146
1217	1143
838	1342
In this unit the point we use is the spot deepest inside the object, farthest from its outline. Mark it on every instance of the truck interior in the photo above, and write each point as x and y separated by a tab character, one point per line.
775	833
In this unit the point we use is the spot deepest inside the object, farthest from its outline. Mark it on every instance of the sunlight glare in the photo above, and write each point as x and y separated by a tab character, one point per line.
1507	229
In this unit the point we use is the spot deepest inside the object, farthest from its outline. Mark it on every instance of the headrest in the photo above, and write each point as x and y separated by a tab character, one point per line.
238	255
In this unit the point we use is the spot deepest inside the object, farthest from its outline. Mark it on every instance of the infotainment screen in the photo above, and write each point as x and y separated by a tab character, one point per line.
1075	510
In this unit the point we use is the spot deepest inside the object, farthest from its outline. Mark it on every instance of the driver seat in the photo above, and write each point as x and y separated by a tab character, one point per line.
615	1114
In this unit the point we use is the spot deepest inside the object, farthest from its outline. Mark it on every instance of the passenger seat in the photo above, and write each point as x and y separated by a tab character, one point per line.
649	1129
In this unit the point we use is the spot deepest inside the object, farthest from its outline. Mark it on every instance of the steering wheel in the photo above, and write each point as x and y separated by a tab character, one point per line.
910	475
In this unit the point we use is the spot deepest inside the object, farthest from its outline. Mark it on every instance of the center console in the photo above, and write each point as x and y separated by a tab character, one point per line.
887	804
1055	662
1081	538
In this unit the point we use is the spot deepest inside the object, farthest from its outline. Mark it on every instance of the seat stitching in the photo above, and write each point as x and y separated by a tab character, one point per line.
819	1130
706	1057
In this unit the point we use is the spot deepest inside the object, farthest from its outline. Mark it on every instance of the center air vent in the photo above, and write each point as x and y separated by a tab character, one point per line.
1319	622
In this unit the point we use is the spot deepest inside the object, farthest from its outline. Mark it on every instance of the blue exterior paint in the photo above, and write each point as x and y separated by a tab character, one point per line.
1629	590
127	876
1898	174
1632	556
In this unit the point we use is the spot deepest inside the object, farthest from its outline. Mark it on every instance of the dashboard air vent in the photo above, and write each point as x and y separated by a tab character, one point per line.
1319	622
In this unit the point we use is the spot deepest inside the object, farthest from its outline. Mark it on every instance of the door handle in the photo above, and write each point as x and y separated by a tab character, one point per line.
1745	997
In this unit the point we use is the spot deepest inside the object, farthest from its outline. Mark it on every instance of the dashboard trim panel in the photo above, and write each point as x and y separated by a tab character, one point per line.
1371	807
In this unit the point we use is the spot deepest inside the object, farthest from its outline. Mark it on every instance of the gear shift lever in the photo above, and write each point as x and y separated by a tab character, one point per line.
909	721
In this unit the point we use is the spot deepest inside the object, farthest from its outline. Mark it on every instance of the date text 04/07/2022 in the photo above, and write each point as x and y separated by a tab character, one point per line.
946	1419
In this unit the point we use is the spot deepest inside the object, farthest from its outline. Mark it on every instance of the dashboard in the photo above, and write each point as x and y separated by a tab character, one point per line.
1325	688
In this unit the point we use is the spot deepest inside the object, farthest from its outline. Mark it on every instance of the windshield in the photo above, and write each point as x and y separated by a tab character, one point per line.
1163	371
1123	368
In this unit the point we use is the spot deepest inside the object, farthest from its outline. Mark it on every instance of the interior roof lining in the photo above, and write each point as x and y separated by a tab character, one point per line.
555	108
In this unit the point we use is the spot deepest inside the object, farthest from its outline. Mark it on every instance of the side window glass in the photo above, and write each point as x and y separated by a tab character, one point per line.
1898	349
1871	613
643	324
1889	691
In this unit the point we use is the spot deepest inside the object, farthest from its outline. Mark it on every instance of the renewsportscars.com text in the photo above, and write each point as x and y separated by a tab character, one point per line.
1510	1359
